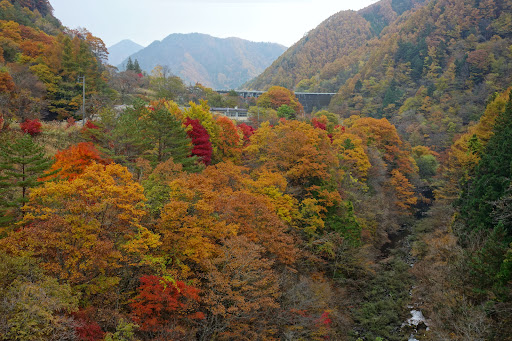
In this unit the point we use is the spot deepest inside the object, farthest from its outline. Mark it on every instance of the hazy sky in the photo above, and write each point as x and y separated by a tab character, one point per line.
143	21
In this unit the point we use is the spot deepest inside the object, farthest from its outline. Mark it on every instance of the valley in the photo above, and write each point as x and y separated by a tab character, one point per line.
355	186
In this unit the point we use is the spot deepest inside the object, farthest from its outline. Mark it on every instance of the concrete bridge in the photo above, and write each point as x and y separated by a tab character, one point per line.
309	100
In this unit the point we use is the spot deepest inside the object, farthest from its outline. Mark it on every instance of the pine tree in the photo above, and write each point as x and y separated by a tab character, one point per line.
22	162
164	133
129	64
136	67
492	175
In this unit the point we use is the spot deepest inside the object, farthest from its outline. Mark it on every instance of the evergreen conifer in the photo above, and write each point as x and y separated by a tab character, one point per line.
129	64
22	162
163	132
136	67
492	176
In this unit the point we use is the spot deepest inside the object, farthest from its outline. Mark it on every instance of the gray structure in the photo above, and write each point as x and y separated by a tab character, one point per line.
309	100
233	113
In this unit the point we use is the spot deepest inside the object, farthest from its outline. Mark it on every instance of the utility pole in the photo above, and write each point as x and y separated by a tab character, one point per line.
82	78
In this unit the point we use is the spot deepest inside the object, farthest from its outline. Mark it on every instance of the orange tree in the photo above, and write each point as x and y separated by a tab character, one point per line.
242	293
219	203
383	135
278	96
165	307
305	157
85	231
72	162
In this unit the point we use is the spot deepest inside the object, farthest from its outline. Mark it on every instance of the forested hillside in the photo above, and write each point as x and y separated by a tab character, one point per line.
161	220
331	53
40	61
428	68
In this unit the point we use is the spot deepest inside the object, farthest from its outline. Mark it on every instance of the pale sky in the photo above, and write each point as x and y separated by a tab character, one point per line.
144	21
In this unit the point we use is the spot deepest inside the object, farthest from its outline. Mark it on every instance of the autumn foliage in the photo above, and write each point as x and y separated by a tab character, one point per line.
165	304
216	251
278	96
169	222
385	137
6	82
230	141
72	162
32	127
88	228
317	123
247	132
295	148
200	139
87	329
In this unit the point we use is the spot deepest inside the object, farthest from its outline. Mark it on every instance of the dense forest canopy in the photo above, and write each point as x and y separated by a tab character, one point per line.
429	67
385	216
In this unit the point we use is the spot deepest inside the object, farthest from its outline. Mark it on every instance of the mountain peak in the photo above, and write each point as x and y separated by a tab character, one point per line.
122	50
223	63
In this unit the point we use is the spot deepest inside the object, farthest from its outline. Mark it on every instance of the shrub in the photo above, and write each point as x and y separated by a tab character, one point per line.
32	127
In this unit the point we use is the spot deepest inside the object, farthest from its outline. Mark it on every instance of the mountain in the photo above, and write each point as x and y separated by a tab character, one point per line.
429	67
213	62
41	61
329	54
122	50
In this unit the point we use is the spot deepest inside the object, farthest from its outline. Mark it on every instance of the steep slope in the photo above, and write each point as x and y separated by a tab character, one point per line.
427	66
433	69
122	50
317	54
328	55
40	61
213	62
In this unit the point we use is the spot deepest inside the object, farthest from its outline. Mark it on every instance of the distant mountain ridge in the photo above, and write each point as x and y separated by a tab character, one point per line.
122	50
220	63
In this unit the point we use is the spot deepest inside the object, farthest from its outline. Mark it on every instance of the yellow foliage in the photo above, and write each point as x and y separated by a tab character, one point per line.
223	201
404	192
352	154
465	151
294	148
85	229
202	113
310	211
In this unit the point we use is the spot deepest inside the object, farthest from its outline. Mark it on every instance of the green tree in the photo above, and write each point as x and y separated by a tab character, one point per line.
136	67
427	165
125	331
133	65
129	64
152	132
165	137
285	111
492	176
490	266
22	162
171	88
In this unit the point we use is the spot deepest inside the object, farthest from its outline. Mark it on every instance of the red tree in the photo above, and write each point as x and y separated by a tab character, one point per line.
32	127
163	305
87	328
200	140
248	131
318	124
